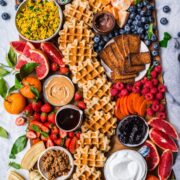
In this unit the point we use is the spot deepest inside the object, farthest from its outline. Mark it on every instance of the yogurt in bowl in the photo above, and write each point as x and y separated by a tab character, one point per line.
125	165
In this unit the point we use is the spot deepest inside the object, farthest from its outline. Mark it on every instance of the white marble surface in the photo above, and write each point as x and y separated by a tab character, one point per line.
171	67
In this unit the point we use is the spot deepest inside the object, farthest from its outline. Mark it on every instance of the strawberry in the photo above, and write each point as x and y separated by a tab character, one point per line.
67	142
40	125
63	134
46	108
36	106
72	145
71	134
81	105
64	70
54	67
77	96
54	136
28	111
34	141
59	142
20	121
78	134
31	135
43	117
49	143
51	117
49	125
55	130
37	116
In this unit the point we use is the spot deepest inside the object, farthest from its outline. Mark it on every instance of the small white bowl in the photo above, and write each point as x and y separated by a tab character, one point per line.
70	159
42	40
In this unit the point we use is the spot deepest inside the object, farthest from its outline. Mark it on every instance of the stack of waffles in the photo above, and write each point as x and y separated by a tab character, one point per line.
76	44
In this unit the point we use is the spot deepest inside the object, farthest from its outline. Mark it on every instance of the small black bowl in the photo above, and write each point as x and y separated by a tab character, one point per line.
132	131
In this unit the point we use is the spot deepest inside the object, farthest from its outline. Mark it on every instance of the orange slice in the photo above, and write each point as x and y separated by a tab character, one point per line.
130	104
142	109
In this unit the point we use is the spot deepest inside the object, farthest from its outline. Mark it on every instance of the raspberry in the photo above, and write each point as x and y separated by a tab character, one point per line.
144	80
119	86
161	108
158	69
129	87
145	90
162	88
138	83
149	112
155	82
136	89
154	90
148	84
159	96
161	115
156	102
124	92
155	107
153	74
114	92
149	96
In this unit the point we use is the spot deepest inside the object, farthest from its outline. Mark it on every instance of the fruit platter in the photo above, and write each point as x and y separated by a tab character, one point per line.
88	87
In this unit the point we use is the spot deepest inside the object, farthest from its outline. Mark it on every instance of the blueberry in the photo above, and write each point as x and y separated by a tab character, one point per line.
156	46
139	10
132	16
106	38
110	35
116	33
150	7
142	13
154	53
148	42
142	36
138	17
177	44
16	6
148	13
129	21
95	45
127	28
3	3
99	48
143	19
132	9
146	26
150	19
5	16
178	34
145	3
140	30
97	39
153	38
163	21
121	31
140	5
166	9
102	43
139	24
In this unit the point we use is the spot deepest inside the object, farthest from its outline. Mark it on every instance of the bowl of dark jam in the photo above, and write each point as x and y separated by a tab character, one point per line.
132	131
69	118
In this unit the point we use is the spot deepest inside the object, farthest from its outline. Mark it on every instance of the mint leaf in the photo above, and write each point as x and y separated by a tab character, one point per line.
11	58
164	43
150	31
3	88
3	71
44	134
15	165
36	128
18	146
35	92
3	133
27	69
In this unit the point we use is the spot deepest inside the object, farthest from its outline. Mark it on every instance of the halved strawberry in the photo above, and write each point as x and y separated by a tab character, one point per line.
73	145
49	143
67	142
31	135
63	134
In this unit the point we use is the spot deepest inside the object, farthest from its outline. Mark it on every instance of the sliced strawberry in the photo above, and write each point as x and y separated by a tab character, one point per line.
55	130
54	136
51	117
78	134
43	117
81	105
46	108
20	121
63	134
59	142
31	135
44	139
40	125
67	142
37	116
72	145
77	96
36	106
49	143
71	134
64	70
34	141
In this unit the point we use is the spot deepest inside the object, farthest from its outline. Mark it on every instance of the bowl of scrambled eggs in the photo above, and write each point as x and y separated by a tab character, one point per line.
38	20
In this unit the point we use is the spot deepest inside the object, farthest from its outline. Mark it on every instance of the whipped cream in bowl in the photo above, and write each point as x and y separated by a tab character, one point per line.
125	165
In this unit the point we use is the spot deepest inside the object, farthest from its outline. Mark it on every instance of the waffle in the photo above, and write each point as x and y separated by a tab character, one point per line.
74	30
104	122
96	88
78	51
79	10
105	104
86	71
86	173
89	156
95	139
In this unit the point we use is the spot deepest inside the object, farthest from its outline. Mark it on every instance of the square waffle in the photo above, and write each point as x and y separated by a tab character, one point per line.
74	30
89	156
86	71
104	104
96	88
78	51
104	122
95	139
79	10
86	173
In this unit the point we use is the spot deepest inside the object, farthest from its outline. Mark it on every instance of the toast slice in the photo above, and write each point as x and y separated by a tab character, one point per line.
134	43
126	44
140	59
134	69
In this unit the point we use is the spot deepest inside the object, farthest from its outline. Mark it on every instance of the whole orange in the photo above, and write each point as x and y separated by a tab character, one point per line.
28	82
151	177
14	103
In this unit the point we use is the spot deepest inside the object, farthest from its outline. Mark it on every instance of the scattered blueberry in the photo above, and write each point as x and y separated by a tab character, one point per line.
3	3
5	16
178	34
163	21
153	37
154	53
127	28
156	46
166	9
96	39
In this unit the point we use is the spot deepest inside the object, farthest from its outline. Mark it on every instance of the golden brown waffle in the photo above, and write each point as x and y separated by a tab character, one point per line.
104	122
78	51
89	156
86	173
95	139
96	88
104	104
79	10
74	30
86	71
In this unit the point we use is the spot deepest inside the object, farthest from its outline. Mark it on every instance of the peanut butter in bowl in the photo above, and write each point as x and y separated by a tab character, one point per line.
58	90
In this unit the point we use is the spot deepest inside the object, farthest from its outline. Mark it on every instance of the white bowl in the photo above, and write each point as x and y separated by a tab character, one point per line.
70	159
42	40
